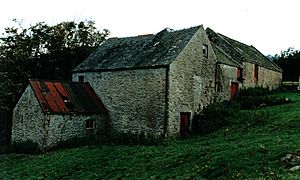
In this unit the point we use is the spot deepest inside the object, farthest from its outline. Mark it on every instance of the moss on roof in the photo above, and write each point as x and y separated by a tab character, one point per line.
139	51
240	52
223	58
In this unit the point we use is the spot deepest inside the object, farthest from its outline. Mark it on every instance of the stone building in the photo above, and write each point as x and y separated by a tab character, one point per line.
151	84
155	83
256	69
50	112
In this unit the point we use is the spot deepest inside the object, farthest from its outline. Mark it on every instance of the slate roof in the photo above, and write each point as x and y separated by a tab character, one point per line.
223	58
240	52
139	51
66	97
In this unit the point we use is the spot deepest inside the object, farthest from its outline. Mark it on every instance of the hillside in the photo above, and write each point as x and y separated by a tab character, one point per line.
250	148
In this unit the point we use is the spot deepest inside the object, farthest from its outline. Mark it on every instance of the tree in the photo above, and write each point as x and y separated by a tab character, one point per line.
43	51
289	61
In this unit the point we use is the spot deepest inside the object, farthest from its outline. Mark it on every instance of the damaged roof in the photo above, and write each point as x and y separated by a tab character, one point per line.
139	51
67	97
240	52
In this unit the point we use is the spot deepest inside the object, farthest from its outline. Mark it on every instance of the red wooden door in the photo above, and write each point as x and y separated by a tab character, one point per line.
184	123
233	90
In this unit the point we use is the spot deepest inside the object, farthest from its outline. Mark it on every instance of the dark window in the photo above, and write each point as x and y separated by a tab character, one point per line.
90	124
218	78
68	103
217	87
81	78
184	123
205	50
255	73
239	74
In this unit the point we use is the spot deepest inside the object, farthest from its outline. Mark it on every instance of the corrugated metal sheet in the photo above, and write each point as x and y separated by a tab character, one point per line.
67	97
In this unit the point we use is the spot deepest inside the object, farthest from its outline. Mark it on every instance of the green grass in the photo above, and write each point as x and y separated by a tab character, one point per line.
251	147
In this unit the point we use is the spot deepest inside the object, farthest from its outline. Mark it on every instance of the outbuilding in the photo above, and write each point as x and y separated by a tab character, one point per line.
51	112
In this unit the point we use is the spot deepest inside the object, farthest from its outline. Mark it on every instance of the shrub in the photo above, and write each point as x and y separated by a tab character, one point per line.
213	117
254	91
257	97
27	147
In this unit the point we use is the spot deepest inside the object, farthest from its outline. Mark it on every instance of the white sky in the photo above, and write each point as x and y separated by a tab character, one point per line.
269	25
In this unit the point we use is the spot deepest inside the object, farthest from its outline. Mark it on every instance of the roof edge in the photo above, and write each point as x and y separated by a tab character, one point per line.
120	69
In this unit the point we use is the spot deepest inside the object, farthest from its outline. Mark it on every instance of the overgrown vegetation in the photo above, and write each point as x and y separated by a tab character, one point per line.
220	114
43	51
249	147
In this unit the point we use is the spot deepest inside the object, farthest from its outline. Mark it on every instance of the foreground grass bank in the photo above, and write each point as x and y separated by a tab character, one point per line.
241	150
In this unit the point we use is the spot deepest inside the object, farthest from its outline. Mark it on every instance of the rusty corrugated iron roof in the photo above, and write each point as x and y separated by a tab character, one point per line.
67	97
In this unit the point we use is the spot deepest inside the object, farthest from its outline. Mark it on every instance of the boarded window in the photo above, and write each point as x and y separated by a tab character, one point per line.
205	50
255	73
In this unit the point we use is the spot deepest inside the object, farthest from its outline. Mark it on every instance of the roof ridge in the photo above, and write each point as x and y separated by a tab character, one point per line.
279	68
226	54
55	80
228	43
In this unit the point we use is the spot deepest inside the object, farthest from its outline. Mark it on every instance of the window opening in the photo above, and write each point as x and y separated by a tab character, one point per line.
205	50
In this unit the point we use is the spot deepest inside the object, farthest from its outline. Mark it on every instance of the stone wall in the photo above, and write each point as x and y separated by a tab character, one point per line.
266	77
192	78
225	76
31	124
28	118
135	99
60	128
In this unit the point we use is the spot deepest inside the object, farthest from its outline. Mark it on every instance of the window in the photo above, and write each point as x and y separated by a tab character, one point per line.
255	74
80	78
218	87
205	50
90	124
218	78
68	103
239	74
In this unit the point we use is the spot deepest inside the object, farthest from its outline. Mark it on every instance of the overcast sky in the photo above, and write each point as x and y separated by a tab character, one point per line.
269	25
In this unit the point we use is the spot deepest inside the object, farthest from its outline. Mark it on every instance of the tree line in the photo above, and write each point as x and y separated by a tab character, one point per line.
43	51
289	61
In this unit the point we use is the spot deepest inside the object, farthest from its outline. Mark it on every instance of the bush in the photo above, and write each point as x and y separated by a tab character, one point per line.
27	147
213	117
218	115
254	91
257	97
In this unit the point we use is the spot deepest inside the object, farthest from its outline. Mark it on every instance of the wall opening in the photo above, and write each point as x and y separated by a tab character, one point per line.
205	50
255	74
184	123
233	90
81	78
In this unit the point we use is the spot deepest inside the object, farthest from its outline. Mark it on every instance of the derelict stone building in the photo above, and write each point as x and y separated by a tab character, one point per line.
156	83
50	112
152	83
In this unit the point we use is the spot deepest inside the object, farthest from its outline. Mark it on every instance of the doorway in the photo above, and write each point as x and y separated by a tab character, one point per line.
184	123
234	90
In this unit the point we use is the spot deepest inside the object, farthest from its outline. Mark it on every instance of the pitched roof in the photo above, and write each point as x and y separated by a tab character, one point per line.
240	52
223	58
66	97
139	51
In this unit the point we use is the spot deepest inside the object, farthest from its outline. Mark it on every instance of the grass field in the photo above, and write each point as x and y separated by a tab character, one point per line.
249	148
